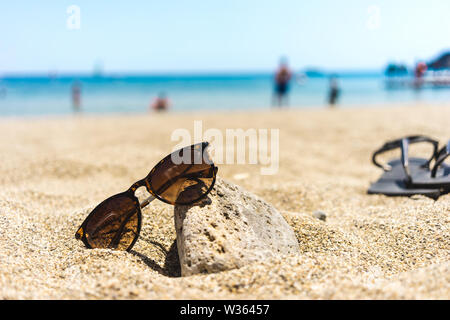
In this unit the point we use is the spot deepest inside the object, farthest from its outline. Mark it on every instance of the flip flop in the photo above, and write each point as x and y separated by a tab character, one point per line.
396	179
438	176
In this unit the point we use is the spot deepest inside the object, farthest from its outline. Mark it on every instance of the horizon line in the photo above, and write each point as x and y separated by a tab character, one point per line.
217	72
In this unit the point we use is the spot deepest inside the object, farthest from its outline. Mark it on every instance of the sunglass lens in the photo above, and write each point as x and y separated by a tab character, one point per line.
185	182
114	223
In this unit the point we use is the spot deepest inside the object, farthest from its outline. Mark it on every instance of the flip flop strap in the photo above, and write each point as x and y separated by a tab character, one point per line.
440	157
403	143
405	157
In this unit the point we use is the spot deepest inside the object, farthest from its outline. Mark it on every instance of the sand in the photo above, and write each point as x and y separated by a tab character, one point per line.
54	170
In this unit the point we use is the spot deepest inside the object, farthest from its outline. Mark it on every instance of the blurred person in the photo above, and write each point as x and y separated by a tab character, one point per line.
420	70
334	91
283	76
76	96
419	73
160	103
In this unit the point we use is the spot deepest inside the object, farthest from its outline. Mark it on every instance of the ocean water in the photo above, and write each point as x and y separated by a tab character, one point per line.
35	95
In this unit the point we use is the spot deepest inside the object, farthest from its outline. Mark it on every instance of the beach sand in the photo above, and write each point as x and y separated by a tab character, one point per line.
54	171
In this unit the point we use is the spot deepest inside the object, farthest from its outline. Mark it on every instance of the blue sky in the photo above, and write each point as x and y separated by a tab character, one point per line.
190	36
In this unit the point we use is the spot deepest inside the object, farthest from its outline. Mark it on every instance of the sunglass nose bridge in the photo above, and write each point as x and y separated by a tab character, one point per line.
138	184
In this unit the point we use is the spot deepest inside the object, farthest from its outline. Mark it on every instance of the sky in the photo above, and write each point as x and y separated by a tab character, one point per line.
218	36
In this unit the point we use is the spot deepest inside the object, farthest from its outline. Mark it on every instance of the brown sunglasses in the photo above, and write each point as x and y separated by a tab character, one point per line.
116	222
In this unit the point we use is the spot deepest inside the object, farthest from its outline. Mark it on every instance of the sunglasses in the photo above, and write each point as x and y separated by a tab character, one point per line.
181	178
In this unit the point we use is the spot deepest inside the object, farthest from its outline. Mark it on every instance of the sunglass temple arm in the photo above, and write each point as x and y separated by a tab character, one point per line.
147	201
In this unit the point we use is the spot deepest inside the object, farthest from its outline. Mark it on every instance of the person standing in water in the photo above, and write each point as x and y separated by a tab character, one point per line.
76	96
160	103
419	73
282	78
334	91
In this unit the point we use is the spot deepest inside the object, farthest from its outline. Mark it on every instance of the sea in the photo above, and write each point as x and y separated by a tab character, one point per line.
29	95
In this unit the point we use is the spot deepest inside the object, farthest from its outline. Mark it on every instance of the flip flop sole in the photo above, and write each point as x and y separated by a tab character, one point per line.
397	189
423	179
392	183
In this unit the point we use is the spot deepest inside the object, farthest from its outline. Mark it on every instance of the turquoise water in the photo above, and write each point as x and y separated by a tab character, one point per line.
45	95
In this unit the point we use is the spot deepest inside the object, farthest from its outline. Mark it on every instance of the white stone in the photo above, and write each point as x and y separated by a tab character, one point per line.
229	229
